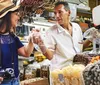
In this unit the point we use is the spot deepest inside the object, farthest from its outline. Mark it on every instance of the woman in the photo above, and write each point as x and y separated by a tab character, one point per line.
10	45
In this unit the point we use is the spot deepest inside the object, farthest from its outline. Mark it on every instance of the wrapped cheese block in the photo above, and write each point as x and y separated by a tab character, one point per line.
69	75
55	76
77	75
67	71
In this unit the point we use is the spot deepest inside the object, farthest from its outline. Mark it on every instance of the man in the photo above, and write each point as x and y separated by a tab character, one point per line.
63	39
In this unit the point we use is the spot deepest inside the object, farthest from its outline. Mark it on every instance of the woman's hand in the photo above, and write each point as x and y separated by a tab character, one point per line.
1	79
35	37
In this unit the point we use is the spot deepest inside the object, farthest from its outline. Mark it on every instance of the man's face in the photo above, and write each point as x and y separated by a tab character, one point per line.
61	15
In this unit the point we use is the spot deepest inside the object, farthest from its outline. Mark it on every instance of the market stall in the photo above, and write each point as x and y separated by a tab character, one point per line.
36	70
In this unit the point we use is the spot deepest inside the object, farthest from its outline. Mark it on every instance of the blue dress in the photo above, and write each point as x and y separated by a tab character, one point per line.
9	47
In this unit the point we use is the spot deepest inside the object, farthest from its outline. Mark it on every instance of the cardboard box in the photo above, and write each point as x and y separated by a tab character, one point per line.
37	82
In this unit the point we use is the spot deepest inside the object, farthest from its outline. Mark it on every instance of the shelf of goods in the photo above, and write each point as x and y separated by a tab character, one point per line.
32	73
33	76
33	70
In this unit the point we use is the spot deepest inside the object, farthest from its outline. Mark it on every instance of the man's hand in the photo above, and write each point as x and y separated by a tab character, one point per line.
91	33
34	36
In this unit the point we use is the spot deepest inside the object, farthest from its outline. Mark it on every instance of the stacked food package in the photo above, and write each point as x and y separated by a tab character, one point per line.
70	75
86	58
82	58
91	73
94	59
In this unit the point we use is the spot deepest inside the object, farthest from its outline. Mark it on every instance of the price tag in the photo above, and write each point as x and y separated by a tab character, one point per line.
61	78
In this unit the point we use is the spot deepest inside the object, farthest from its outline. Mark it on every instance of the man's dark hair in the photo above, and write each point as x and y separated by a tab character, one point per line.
65	3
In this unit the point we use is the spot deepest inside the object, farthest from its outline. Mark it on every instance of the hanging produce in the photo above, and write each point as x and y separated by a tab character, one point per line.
32	3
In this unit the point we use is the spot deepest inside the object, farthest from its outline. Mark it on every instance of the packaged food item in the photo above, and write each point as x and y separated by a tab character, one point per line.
39	57
82	58
95	59
69	75
91	74
44	71
30	72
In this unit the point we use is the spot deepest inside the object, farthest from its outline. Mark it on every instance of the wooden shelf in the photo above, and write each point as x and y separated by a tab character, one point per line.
84	13
88	14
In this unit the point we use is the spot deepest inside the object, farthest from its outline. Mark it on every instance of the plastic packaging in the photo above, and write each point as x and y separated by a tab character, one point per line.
96	15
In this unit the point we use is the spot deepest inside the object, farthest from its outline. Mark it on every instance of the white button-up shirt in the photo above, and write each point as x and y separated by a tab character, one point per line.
63	44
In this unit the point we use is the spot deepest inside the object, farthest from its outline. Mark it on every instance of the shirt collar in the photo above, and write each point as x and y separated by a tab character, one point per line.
61	29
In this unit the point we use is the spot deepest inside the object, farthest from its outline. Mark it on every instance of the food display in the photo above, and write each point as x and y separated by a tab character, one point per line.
91	74
86	58
82	58
95	59
44	71
70	75
84	71
39	57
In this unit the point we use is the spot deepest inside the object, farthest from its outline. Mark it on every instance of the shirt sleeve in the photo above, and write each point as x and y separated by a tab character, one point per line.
19	43
50	41
80	38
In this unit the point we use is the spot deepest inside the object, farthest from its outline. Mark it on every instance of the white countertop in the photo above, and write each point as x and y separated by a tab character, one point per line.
43	23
